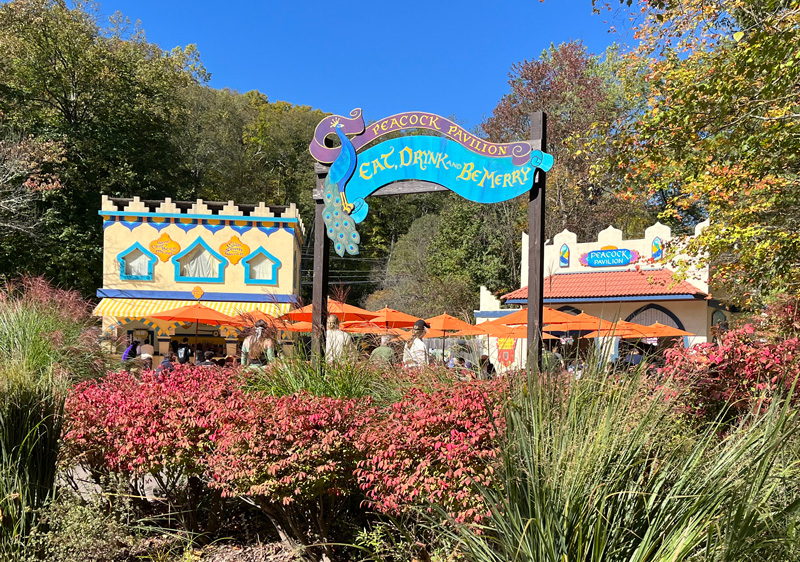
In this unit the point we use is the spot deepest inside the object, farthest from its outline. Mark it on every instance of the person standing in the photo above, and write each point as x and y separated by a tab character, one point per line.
338	344
184	353
415	352
167	363
209	360
146	352
383	354
259	348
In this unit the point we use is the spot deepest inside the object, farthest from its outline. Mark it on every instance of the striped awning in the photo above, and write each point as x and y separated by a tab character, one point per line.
142	308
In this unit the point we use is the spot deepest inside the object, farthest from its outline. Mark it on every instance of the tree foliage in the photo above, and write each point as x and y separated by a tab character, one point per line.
718	134
578	91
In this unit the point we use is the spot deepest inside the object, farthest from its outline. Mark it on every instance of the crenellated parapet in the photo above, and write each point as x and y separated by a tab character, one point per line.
213	215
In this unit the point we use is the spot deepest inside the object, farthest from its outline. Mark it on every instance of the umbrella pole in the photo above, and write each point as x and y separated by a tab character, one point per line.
196	326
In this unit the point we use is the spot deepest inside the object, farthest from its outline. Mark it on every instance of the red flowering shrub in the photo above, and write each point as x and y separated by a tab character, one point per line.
434	447
739	369
291	456
153	424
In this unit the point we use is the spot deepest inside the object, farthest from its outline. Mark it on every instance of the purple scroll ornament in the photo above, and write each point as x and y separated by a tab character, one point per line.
352	126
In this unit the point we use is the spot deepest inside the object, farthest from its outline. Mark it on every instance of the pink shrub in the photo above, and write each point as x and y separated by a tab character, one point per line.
149	424
434	447
292	456
740	369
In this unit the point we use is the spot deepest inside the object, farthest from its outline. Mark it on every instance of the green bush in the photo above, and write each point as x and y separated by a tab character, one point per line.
598	470
47	342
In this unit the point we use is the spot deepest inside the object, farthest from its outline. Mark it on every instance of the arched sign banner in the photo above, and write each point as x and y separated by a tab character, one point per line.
477	170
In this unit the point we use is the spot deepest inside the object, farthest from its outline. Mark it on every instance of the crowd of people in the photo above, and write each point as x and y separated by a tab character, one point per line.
413	354
260	347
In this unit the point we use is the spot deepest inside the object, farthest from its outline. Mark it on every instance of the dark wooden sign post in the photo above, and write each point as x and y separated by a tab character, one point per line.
322	244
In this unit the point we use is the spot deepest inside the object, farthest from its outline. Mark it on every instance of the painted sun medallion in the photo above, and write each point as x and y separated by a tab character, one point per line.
198	293
234	249
164	247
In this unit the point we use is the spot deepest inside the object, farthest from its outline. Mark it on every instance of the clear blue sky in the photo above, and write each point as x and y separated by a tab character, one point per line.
385	57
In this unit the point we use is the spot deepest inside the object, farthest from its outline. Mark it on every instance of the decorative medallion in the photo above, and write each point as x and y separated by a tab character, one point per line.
164	247
234	249
198	293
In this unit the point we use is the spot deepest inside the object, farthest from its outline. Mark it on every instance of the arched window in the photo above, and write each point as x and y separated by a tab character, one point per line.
569	309
563	259
136	264
658	249
650	313
719	321
199	262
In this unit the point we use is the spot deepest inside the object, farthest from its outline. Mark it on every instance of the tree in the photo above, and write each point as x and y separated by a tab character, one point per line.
111	100
412	285
26	173
578	91
719	133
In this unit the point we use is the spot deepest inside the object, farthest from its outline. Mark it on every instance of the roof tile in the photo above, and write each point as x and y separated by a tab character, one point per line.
599	284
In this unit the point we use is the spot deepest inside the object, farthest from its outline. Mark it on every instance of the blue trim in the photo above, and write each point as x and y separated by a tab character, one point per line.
150	266
176	261
659	308
188	296
493	313
276	264
193	216
615	299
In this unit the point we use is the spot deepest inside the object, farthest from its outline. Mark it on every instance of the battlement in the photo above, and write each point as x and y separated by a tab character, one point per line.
133	207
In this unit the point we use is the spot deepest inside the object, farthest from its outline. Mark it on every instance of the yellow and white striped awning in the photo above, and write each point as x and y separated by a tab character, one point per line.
142	308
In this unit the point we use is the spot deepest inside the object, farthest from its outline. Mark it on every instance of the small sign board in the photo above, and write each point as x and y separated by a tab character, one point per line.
610	258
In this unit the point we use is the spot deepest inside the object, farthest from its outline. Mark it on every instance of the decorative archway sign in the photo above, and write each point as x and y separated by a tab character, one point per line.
451	159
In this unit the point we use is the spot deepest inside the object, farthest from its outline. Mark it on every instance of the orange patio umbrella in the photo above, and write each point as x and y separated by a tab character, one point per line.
447	323
659	330
344	311
520	317
390	318
431	333
255	315
370	328
197	313
298	327
578	322
500	331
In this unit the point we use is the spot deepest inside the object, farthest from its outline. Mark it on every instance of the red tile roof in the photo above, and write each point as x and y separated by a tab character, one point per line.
600	284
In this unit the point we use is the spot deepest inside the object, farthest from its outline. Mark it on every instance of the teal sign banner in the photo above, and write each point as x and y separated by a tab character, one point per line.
609	258
477	170
483	179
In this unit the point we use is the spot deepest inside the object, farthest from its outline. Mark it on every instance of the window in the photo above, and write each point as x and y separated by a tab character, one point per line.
136	264
563	260
655	313
261	268
199	263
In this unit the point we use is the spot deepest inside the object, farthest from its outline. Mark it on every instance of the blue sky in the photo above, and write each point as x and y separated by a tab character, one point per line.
385	57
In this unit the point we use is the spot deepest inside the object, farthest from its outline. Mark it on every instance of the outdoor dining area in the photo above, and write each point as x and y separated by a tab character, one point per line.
448	339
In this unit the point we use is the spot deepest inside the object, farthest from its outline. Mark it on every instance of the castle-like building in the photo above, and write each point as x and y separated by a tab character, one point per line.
160	255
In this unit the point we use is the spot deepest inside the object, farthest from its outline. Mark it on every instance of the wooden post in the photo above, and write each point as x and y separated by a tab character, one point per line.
319	303
536	243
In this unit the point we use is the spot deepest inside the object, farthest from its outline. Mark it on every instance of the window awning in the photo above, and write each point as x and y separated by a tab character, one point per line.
142	308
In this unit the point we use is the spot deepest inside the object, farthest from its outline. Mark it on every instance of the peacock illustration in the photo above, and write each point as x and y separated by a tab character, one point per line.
340	216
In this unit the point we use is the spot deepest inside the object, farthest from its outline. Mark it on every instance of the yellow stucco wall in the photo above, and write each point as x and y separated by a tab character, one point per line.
283	244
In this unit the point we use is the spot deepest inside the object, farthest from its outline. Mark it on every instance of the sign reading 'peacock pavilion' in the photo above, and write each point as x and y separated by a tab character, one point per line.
477	170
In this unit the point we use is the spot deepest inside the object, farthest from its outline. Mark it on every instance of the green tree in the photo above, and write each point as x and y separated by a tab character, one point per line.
719	134
413	286
111	100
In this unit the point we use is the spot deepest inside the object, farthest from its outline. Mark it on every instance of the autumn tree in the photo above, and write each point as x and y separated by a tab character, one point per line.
578	91
718	134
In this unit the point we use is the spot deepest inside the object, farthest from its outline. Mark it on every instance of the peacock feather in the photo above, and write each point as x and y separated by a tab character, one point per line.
341	224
